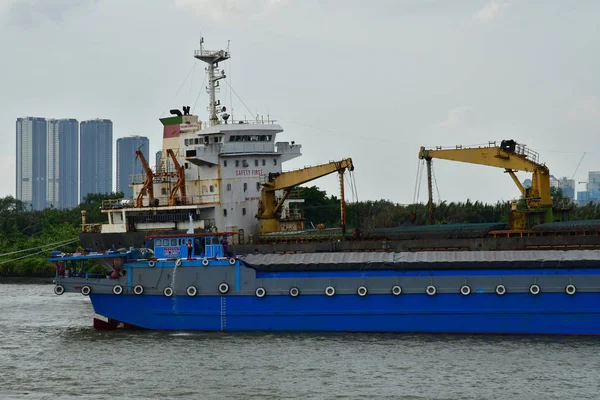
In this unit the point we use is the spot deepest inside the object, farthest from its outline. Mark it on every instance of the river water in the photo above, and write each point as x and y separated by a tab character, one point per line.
48	350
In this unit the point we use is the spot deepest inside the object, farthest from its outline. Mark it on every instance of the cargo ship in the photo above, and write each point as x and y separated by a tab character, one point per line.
213	240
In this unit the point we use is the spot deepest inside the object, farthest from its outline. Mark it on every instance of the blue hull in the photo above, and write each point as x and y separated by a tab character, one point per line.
517	313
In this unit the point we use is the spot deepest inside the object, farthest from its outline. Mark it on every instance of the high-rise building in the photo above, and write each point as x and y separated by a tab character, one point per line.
31	172
127	163
52	163
158	157
68	161
96	141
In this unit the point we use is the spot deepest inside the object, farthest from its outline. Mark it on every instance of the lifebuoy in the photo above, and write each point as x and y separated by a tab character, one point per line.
151	263
138	289
223	288
465	290
232	261
178	262
191	291
570	289
500	290
362	291
260	292
396	290
168	291
431	290
85	290
205	261
534	289
117	289
294	292
329	291
59	289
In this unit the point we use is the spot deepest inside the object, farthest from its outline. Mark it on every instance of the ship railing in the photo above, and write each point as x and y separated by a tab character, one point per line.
259	120
163	201
526	152
117	203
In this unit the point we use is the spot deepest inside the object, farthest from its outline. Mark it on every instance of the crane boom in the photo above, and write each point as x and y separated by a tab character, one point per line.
148	186
269	208
510	156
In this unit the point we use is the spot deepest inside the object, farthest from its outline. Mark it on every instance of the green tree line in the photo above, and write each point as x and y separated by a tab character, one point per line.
22	228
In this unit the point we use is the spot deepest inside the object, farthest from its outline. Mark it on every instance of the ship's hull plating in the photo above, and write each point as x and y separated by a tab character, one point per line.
517	313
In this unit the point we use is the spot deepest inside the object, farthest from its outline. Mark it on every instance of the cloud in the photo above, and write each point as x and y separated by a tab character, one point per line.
31	12
489	12
231	9
586	109
455	117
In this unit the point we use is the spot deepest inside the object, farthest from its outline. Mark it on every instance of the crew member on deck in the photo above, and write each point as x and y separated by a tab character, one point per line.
189	249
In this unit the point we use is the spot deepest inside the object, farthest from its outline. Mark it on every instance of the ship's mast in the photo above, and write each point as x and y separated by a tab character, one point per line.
212	58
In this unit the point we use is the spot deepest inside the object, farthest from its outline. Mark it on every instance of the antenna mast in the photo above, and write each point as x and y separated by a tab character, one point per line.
212	58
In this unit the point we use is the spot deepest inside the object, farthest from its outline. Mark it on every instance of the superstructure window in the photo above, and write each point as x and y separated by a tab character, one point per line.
245	163
211	188
237	163
274	161
244	211
245	186
229	187
224	163
256	162
224	212
257	185
264	162
158	242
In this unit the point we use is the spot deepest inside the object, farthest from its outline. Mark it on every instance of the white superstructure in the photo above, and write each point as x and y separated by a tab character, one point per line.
224	161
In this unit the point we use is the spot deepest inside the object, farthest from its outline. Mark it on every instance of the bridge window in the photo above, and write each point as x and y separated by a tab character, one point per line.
258	186
244	211
229	187
173	242
274	161
158	242
245	186
245	163
211	188
237	163
224	212
256	162
264	162
224	163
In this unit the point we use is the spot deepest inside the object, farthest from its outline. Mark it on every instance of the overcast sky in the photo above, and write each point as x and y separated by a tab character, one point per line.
371	80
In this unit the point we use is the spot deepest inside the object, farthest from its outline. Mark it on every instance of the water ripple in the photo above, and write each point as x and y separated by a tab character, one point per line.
49	350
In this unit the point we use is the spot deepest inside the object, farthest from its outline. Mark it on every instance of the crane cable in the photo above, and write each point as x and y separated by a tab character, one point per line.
36	253
61	243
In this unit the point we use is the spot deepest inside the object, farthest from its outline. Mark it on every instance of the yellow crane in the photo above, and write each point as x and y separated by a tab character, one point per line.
269	208
510	156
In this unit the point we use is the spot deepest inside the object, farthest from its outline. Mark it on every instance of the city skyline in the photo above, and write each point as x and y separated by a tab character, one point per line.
50	160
